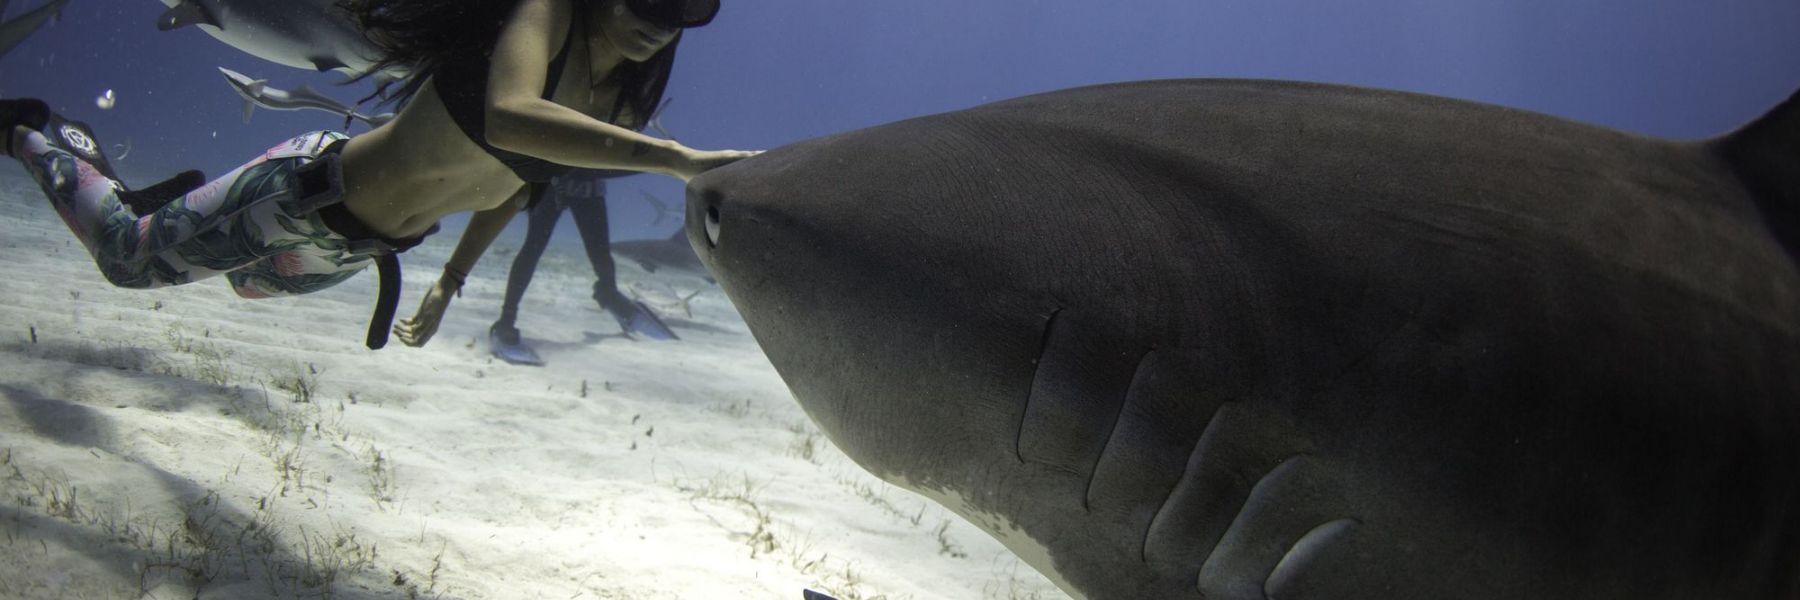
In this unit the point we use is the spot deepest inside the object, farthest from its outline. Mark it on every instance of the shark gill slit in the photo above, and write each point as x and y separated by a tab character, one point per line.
1199	442
1301	553
1275	474
1037	363
1113	432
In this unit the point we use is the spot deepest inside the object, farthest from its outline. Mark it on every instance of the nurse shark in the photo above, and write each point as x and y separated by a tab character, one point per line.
1247	340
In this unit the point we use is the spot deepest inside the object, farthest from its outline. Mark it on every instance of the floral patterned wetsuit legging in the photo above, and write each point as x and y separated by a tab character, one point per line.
245	225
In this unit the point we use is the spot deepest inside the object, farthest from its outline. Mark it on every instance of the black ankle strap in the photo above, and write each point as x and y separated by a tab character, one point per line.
153	198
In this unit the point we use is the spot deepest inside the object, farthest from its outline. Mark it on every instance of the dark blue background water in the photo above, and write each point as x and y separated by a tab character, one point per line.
774	71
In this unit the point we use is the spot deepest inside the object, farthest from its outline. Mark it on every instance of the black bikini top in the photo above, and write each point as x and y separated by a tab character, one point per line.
462	84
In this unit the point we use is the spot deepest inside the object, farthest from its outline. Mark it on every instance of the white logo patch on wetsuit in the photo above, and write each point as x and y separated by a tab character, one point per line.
79	141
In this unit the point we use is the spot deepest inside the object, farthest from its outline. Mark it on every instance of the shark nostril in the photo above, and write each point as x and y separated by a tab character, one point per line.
712	226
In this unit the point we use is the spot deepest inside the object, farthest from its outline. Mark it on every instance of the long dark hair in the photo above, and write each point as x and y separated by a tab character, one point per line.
418	36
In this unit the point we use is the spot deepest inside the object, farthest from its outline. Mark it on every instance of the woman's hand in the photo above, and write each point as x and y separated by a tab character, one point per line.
695	162
417	330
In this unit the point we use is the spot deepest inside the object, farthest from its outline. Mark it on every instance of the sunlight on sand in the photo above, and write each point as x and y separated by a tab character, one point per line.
181	442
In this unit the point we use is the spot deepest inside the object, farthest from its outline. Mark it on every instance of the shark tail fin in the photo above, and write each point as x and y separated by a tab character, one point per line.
1766	156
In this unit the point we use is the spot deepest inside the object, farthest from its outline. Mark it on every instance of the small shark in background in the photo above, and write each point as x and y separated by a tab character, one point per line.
14	31
256	92
306	34
656	204
674	253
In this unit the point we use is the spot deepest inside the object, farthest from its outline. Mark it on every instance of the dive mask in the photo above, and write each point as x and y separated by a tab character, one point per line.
675	14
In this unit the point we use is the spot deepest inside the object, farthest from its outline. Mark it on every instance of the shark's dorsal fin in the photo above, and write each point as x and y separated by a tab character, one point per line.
186	14
1766	156
656	204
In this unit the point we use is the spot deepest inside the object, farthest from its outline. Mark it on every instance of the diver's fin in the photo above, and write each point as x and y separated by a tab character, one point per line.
29	112
78	139
812	595
637	319
151	199
186	14
1766	156
505	344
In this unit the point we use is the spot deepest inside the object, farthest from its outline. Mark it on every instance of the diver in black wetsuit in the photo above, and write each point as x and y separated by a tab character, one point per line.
583	194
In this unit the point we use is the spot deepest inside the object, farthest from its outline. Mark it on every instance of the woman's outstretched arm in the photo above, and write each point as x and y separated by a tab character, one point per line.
519	120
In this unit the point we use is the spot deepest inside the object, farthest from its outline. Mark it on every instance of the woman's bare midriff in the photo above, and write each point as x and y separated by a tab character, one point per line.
403	177
400	178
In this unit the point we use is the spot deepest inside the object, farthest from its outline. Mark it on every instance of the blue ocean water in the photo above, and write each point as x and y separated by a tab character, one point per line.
775	71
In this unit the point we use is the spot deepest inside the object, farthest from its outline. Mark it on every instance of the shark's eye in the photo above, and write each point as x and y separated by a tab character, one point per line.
712	226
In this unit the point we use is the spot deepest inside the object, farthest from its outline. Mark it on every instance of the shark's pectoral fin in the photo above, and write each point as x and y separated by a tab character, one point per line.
1766	155
326	63
185	14
249	107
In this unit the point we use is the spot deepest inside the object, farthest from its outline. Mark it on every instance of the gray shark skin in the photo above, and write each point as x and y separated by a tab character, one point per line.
14	32
256	92
1247	340
305	34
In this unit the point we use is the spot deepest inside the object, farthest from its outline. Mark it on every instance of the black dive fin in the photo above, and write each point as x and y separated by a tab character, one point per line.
148	200
1766	156
186	14
77	138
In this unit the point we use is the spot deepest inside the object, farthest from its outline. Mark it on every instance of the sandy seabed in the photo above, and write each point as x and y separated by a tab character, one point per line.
184	442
